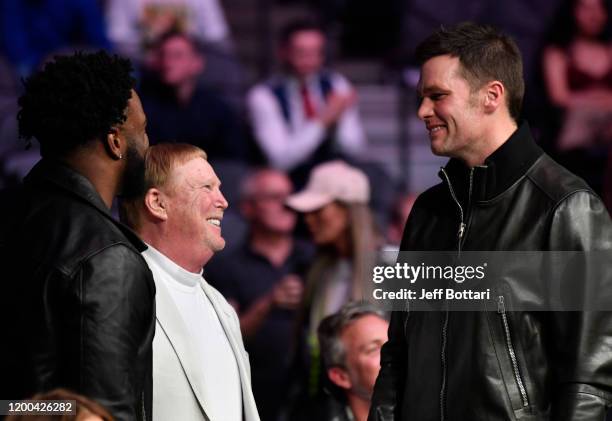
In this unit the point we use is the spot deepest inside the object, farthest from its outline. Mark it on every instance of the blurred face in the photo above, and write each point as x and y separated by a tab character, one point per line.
134	131
591	17
329	224
195	208
305	52
448	107
266	207
179	62
362	341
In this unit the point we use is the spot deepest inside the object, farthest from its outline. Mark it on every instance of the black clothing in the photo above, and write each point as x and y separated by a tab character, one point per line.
78	301
326	406
460	365
206	121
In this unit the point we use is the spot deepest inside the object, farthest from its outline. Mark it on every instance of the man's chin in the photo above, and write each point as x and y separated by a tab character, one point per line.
437	149
220	245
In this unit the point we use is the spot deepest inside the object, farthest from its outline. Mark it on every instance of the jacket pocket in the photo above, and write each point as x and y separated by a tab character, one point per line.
516	370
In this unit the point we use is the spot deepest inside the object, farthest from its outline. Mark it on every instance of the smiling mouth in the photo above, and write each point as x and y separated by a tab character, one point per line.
435	129
214	221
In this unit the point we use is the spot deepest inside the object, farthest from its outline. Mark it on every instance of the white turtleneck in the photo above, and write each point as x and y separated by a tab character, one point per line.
222	390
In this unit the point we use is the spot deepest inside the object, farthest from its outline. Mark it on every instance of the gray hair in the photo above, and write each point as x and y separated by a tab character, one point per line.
330	329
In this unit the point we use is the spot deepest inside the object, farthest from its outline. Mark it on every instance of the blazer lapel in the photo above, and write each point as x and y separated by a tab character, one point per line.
235	341
174	328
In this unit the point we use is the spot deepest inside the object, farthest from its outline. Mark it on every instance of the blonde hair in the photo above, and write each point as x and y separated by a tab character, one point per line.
159	162
364	239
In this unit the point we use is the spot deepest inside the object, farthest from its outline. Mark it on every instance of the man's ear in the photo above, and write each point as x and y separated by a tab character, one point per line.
156	204
113	144
339	377
495	96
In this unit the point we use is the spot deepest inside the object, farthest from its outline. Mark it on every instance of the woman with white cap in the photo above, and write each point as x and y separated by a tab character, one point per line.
335	207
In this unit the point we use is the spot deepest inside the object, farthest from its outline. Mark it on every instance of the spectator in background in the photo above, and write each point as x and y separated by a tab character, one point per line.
350	342
181	109
263	281
84	409
336	211
30	30
136	25
577	67
307	114
399	215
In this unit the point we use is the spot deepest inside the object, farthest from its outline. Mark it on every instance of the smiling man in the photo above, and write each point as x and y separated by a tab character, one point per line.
200	368
499	191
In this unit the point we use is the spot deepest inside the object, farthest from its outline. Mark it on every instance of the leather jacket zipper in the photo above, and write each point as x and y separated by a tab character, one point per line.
460	239
501	309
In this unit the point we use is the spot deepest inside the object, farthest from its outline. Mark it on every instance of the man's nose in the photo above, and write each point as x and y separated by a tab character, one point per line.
222	202
425	109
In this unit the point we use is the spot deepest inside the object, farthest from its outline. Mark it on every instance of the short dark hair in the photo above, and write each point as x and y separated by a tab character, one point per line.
331	328
485	54
196	46
74	100
298	25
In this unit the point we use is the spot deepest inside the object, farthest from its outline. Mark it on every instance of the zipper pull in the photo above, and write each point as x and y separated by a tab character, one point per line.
501	307
461	230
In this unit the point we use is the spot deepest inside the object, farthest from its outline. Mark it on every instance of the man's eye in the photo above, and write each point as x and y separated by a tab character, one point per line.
435	97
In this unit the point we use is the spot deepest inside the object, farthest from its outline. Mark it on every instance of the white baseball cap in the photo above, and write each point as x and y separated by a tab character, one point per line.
328	182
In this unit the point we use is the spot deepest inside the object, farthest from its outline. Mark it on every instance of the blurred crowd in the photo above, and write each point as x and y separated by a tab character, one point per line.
308	213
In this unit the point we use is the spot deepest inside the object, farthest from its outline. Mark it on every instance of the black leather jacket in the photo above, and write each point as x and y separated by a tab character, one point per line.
460	366
78	301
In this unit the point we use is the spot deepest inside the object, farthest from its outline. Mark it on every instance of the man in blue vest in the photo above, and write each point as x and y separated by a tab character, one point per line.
304	115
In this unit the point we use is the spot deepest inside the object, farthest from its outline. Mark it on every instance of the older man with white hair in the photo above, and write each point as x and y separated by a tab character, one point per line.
200	368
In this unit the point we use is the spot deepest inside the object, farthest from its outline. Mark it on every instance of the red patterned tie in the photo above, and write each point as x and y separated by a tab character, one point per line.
309	110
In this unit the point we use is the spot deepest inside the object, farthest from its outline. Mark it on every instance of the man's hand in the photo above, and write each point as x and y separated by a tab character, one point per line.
336	105
288	292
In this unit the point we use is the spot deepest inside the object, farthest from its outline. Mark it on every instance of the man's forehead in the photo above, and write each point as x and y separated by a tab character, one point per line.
134	110
438	72
196	169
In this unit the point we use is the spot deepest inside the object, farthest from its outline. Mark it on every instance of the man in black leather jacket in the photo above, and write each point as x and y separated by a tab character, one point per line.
77	297
499	191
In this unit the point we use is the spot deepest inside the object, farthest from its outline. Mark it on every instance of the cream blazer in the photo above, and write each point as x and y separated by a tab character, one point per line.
176	390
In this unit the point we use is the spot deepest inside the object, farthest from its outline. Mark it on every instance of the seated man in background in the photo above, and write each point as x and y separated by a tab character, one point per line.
350	342
200	368
181	109
262	279
305	115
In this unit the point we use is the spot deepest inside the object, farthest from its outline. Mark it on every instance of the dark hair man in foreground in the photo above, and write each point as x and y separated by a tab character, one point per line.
499	191
77	296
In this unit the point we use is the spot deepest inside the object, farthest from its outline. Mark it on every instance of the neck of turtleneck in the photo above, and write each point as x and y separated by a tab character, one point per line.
177	273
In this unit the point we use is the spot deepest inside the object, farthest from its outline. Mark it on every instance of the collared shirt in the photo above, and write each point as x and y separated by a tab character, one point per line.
287	144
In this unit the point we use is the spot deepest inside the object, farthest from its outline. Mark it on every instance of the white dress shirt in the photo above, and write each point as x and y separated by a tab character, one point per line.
287	145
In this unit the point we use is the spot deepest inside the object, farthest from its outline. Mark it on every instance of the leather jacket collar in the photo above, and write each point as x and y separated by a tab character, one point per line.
501	169
48	171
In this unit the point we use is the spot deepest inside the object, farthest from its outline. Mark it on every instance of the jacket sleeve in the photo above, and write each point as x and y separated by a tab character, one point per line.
117	298
388	389
582	341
